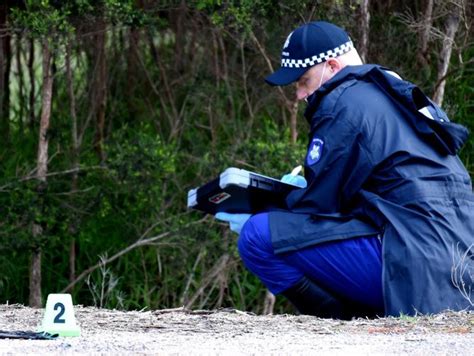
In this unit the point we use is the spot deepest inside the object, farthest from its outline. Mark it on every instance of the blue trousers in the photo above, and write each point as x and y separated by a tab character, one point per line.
349	268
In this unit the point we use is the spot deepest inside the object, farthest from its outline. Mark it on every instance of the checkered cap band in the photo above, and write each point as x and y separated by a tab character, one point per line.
319	58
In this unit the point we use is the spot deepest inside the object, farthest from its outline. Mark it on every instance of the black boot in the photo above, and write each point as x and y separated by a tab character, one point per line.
310	299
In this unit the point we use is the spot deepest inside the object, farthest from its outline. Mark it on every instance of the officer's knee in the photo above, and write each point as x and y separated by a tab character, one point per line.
254	240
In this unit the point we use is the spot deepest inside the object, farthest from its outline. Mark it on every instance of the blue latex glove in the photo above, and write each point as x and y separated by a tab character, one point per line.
236	221
297	180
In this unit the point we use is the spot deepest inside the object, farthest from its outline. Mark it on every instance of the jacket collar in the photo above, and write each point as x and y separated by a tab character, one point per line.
346	73
445	136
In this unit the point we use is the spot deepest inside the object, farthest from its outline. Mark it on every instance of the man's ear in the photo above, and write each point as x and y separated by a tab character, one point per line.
334	65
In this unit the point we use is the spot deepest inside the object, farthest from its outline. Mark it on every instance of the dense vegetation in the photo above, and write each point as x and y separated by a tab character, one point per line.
151	98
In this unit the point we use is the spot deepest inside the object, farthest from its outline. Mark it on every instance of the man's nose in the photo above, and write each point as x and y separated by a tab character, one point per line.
300	94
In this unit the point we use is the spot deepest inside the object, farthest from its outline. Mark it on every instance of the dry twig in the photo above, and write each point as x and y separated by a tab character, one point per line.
142	241
462	272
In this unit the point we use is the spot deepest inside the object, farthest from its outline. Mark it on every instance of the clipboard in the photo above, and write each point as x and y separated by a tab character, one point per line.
240	191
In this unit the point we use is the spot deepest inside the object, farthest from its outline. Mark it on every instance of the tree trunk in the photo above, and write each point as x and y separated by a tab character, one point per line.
364	26
75	162
21	99
132	70
5	61
101	88
452	24
225	75
46	98
268	303
178	25
42	170
35	270
31	74
425	33
294	121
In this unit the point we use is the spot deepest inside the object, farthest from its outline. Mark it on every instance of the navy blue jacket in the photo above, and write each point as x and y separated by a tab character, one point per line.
376	165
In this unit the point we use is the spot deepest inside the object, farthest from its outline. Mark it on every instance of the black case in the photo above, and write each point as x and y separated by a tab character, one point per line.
240	191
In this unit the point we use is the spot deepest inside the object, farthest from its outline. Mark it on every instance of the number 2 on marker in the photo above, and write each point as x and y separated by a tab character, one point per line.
58	319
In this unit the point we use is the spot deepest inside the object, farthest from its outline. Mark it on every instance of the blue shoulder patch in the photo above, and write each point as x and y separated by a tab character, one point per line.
315	151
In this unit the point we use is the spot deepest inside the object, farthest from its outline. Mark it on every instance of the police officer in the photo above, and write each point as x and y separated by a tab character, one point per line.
386	206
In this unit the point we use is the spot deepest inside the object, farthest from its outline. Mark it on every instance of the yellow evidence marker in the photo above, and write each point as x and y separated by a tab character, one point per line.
59	316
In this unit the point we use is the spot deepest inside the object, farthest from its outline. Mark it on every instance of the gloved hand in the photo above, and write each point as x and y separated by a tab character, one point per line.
297	180
236	221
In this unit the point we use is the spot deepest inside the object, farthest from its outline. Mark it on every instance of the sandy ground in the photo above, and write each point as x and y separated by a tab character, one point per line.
234	332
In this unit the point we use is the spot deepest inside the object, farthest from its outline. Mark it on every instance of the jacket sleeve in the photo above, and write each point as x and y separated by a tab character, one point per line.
336	165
